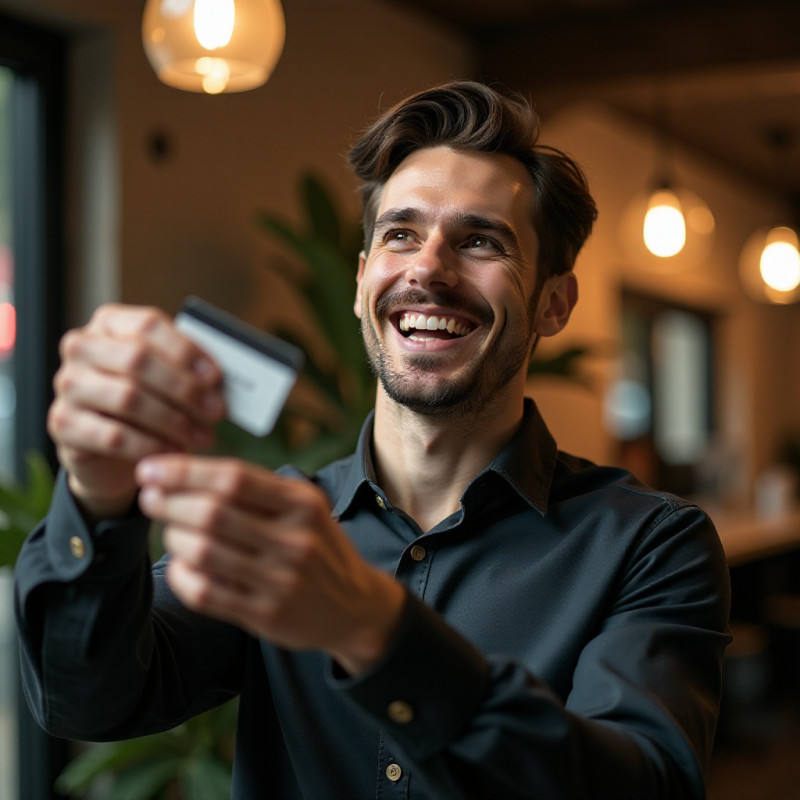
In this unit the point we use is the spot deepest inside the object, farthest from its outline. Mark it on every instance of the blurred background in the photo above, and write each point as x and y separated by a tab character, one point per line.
115	186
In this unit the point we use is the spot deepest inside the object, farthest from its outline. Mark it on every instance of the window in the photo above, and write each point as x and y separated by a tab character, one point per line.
660	407
31	95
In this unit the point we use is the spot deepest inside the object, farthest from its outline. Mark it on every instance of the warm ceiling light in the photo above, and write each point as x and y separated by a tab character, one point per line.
779	264
770	266
664	228
213	46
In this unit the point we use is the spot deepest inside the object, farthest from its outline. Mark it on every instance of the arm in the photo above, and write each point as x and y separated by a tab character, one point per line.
95	664
129	386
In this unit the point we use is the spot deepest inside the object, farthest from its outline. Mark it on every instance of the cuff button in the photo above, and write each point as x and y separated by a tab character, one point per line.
77	547
400	712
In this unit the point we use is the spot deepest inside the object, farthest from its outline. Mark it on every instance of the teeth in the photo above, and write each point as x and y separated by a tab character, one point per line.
421	322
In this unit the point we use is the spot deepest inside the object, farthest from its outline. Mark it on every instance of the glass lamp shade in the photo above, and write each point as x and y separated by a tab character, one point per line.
667	231
769	266
213	46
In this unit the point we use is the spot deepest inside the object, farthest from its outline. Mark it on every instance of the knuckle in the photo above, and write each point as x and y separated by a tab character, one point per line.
232	477
70	344
211	514
114	439
129	398
135	359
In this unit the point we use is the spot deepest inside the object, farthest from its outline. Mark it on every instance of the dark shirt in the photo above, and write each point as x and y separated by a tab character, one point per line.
562	637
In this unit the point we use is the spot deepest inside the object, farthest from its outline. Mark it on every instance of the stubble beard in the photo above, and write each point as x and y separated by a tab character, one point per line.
413	384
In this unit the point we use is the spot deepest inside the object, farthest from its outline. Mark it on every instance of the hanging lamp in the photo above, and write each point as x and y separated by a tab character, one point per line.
213	46
769	265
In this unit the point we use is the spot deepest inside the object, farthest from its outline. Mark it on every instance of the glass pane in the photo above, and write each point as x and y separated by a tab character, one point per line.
680	382
8	645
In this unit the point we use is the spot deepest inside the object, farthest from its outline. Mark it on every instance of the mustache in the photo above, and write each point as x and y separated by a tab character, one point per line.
447	298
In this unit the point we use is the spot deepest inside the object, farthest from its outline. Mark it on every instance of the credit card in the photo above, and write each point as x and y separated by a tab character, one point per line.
260	369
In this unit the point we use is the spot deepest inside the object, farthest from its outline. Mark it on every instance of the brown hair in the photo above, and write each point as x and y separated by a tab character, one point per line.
470	116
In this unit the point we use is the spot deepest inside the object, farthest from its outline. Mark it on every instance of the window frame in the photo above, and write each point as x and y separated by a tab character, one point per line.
38	58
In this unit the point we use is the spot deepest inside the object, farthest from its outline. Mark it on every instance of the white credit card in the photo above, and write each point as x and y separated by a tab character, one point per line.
260	369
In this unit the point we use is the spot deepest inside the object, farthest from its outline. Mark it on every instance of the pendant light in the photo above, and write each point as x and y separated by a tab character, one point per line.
769	265
676	221
213	46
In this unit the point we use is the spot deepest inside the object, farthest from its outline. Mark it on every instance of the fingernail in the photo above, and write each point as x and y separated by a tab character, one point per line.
148	497
149	471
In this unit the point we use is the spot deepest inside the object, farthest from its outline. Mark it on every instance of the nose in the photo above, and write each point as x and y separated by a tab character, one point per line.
432	265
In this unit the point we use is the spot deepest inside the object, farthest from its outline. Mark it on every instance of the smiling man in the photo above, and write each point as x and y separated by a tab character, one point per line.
458	610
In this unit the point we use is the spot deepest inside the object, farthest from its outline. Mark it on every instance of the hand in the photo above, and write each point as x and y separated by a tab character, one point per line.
261	551
129	386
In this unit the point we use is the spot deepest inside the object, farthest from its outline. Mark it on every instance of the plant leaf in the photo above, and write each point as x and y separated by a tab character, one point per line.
205	778
145	780
322	215
99	759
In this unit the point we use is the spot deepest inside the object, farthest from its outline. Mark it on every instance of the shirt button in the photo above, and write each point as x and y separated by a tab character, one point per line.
400	712
77	547
394	772
380	501
418	552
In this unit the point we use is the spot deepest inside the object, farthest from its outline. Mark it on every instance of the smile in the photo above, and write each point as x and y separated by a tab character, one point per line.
418	326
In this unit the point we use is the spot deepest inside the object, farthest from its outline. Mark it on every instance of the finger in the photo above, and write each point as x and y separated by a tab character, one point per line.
120	397
157	328
247	484
206	594
191	388
206	512
84	431
206	553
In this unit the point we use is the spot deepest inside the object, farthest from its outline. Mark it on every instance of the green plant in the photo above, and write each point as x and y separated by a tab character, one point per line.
22	506
191	761
324	247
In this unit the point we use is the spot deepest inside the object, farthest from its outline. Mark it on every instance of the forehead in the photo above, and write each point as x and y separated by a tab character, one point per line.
446	179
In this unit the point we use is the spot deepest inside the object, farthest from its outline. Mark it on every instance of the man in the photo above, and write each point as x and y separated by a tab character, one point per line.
458	610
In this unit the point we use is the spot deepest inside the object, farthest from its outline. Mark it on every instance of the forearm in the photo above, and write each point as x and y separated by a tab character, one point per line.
97	661
478	728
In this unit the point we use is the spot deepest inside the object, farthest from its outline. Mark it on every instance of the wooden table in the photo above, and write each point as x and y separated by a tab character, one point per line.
748	537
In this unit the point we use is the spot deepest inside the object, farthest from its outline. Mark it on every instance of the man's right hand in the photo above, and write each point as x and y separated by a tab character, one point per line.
129	386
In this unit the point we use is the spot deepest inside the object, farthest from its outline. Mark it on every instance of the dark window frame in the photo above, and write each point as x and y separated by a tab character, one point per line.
38	58
678	478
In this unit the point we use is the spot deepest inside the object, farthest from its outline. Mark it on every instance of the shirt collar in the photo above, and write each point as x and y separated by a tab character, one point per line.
527	463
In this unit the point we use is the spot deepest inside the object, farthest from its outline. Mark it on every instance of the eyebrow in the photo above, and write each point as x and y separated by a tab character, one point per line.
502	230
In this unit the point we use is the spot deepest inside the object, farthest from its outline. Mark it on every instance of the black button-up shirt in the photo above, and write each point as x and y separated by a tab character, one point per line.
562	637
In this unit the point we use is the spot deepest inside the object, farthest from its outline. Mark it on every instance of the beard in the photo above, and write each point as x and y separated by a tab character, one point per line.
414	383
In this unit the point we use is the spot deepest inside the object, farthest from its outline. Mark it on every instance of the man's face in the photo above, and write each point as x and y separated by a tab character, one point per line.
446	294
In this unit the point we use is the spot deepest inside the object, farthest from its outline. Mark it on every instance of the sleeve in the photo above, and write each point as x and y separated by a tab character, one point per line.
638	722
107	651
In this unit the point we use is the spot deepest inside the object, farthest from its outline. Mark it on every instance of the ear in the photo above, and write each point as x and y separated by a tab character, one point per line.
362	263
558	298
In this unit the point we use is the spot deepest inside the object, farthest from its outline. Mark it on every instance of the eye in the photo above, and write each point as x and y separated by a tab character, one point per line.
398	238
483	245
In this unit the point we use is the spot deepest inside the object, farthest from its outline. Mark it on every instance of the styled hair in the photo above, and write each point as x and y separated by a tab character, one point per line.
470	116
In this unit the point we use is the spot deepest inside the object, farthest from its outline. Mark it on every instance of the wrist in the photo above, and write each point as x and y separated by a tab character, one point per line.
96	508
371	638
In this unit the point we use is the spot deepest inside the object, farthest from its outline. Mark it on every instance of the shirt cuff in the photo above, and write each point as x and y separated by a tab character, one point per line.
427	688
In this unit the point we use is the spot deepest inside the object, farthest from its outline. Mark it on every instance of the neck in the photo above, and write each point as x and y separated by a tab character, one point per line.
425	463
